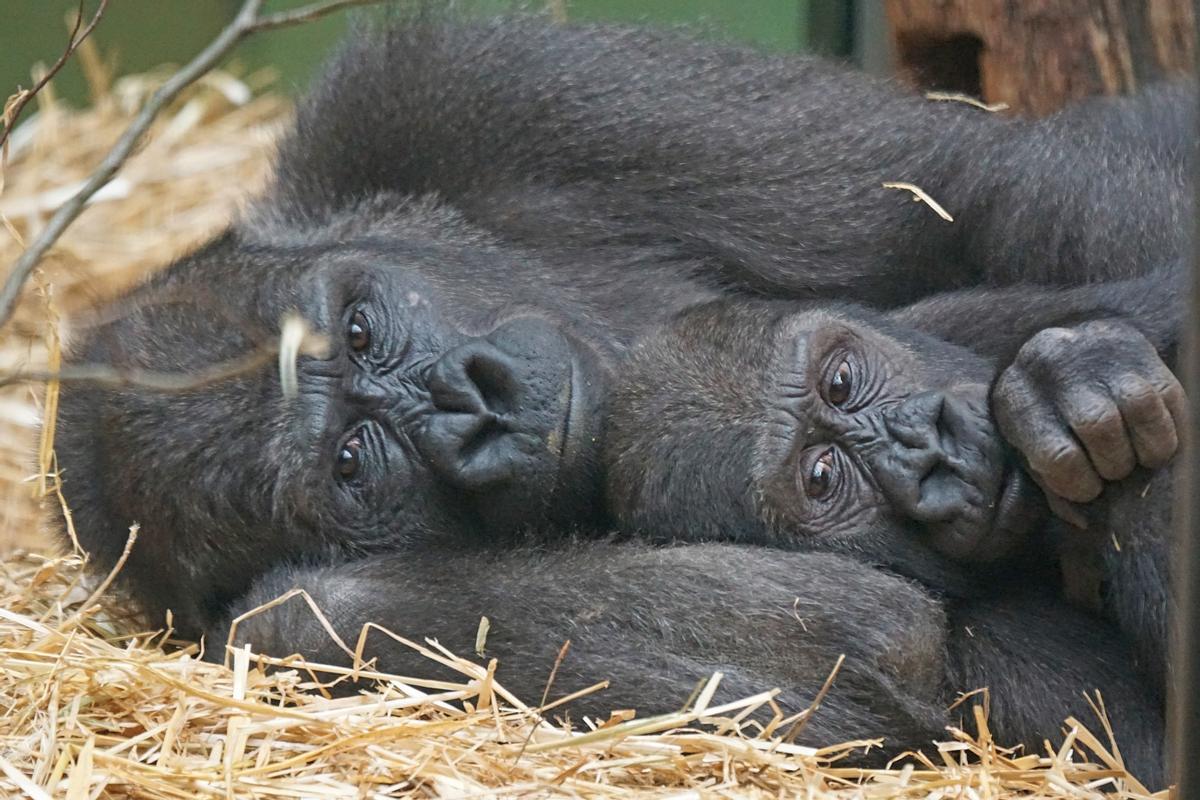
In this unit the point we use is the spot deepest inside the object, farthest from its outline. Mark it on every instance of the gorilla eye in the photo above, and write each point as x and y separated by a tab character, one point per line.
358	332
349	458
841	385
820	476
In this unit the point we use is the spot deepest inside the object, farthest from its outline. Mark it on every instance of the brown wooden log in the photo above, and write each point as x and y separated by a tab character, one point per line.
1036	55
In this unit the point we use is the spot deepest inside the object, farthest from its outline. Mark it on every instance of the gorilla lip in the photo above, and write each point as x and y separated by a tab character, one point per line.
568	432
1014	515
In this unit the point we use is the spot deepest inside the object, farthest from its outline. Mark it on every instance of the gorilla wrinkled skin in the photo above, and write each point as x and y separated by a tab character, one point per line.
484	218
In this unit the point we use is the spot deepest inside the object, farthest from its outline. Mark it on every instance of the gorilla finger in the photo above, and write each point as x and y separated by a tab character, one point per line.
1057	460
1066	511
1175	398
1013	400
1097	422
1150	423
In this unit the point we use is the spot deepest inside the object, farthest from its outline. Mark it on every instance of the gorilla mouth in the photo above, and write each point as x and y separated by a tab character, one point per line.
567	434
1018	510
575	435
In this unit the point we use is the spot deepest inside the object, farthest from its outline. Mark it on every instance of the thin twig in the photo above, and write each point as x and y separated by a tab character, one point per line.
815	705
297	16
921	195
130	377
287	345
959	97
76	38
248	21
99	591
558	660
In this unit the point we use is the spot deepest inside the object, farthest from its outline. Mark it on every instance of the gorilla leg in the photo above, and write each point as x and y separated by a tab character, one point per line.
1039	658
1123	564
652	621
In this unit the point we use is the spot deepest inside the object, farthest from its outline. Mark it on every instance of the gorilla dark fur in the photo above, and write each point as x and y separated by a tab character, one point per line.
1089	403
484	216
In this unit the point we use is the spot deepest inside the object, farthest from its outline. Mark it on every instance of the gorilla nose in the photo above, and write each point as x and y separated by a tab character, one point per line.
922	470
499	407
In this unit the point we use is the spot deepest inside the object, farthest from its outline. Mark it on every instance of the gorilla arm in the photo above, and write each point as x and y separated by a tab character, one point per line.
752	169
654	622
1093	407
996	322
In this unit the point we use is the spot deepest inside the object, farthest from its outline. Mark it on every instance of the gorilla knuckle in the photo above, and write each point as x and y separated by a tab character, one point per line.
1056	458
1065	468
1047	345
1141	401
1095	417
1012	398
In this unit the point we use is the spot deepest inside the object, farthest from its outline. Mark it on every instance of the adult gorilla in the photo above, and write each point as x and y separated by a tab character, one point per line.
483	216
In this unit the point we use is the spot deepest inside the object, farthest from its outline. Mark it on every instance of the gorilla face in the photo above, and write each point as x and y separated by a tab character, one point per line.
438	414
826	428
417	423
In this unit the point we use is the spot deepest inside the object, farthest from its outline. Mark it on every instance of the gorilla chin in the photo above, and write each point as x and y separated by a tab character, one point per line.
857	434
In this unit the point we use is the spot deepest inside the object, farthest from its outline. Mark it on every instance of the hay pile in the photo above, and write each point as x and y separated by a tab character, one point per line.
204	155
90	712
93	708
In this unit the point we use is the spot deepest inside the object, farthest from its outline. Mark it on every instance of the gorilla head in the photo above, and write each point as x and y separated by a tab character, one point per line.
813	427
440	412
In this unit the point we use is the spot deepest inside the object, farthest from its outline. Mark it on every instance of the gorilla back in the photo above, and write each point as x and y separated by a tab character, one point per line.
481	216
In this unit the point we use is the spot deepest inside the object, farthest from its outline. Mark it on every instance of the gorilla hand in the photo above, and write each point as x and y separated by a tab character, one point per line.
1086	404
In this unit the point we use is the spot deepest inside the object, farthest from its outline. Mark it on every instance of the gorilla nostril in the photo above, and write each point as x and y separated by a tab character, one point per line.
474	378
916	423
494	381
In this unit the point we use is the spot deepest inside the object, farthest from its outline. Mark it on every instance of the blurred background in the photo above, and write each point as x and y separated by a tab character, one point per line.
1031	55
145	33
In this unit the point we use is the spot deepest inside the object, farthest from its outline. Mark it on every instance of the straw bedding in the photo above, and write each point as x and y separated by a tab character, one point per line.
92	707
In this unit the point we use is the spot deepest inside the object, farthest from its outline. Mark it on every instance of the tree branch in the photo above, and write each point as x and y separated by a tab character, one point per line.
129	377
296	16
13	113
249	20
295	341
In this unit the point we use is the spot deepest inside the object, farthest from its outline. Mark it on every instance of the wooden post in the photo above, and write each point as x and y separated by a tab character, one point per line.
1035	55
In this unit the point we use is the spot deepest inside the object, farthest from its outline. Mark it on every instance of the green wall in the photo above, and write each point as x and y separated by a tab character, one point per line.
145	33
772	24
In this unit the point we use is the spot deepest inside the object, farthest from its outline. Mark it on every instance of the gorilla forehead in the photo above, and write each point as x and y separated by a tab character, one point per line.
464	271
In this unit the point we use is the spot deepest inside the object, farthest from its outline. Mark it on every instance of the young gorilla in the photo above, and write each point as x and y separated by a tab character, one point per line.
839	414
850	430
